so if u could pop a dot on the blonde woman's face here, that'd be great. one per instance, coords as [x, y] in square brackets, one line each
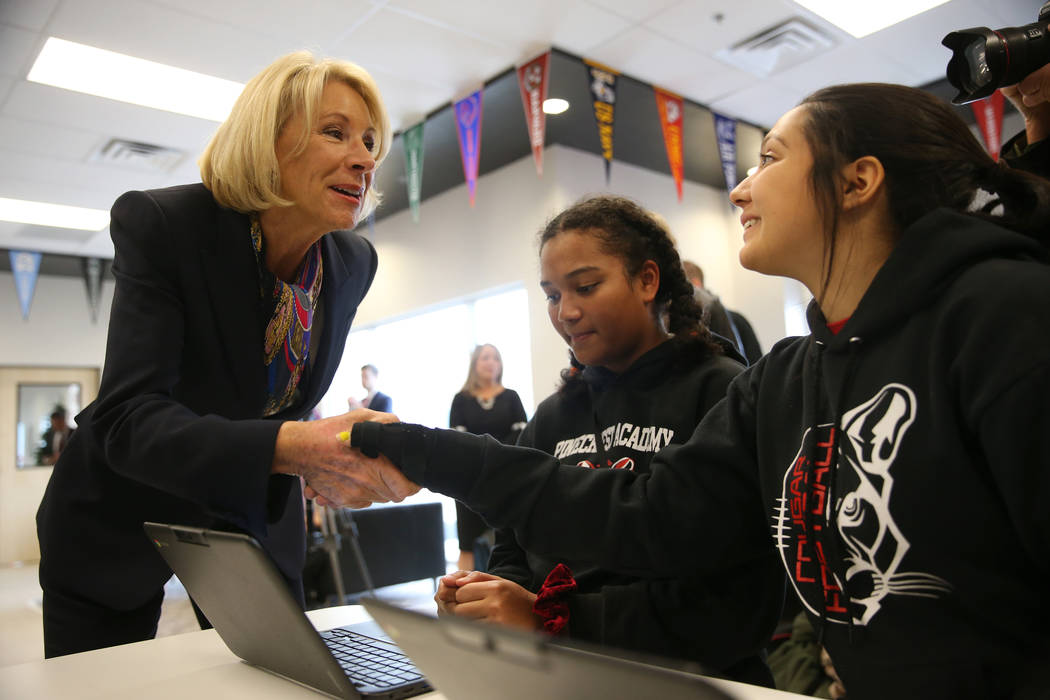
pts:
[329, 179]
[488, 366]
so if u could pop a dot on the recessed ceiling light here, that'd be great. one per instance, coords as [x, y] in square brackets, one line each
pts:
[81, 68]
[863, 18]
[55, 215]
[555, 105]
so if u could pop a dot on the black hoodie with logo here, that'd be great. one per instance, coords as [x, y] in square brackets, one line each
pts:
[605, 420]
[900, 470]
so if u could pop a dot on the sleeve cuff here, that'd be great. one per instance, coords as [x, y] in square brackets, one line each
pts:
[403, 444]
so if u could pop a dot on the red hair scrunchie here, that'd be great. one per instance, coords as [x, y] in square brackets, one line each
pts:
[551, 606]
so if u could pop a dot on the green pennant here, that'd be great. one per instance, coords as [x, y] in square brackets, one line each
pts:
[413, 142]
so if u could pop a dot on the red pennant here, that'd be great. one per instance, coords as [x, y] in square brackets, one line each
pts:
[989, 113]
[671, 108]
[532, 79]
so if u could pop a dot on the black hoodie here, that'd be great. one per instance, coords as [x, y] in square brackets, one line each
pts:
[921, 431]
[605, 420]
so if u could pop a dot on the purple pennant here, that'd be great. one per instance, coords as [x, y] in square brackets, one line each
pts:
[468, 127]
[725, 132]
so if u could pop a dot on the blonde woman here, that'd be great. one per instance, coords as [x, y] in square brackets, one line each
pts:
[483, 406]
[233, 300]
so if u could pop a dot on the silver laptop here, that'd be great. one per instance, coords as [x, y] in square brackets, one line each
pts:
[244, 596]
[465, 660]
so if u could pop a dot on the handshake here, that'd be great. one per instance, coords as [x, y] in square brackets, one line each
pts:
[335, 473]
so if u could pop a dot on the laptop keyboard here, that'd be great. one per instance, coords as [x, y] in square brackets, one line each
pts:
[368, 662]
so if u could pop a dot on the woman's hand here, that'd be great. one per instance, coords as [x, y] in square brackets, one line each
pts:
[335, 473]
[480, 596]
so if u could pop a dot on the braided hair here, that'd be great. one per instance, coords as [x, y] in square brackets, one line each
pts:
[626, 230]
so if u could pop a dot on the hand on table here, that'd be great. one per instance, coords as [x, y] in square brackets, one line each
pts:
[335, 473]
[480, 596]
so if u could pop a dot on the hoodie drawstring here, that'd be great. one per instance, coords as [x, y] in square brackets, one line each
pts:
[832, 558]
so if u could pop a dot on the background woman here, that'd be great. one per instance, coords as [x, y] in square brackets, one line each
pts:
[483, 406]
[896, 459]
[637, 383]
[232, 305]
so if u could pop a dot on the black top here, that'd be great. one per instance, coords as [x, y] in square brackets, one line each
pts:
[176, 433]
[503, 418]
[381, 402]
[620, 421]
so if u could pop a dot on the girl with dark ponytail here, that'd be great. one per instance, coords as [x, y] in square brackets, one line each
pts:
[644, 372]
[896, 460]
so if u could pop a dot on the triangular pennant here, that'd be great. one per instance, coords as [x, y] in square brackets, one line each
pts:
[25, 266]
[412, 140]
[725, 132]
[672, 108]
[603, 92]
[92, 269]
[468, 127]
[532, 80]
[989, 114]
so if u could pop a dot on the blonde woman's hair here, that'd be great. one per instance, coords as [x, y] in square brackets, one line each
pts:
[473, 383]
[240, 166]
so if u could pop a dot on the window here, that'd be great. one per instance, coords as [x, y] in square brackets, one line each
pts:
[423, 361]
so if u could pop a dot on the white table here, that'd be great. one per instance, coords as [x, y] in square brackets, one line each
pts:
[197, 665]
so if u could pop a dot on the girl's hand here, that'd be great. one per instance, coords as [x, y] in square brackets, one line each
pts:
[481, 596]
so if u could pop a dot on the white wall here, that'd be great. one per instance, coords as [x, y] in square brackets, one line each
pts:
[59, 332]
[456, 251]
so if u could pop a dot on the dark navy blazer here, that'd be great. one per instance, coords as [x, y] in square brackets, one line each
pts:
[175, 434]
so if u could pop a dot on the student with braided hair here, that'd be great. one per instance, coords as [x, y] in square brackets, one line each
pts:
[644, 371]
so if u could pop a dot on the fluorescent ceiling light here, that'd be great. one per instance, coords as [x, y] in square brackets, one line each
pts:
[81, 68]
[55, 215]
[863, 18]
[555, 105]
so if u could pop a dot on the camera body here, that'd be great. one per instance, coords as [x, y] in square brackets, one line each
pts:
[983, 59]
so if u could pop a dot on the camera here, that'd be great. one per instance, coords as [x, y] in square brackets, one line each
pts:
[983, 59]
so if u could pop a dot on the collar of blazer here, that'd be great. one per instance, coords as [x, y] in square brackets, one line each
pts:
[233, 283]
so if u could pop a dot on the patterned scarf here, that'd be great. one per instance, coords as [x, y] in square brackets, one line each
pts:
[286, 340]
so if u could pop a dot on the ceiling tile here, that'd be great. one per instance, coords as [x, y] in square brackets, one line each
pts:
[917, 41]
[28, 14]
[313, 25]
[168, 36]
[571, 25]
[408, 100]
[32, 137]
[18, 49]
[845, 64]
[6, 85]
[648, 56]
[59, 108]
[762, 103]
[440, 54]
[694, 23]
[634, 10]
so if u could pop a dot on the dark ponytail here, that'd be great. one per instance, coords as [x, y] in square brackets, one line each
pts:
[634, 235]
[1025, 200]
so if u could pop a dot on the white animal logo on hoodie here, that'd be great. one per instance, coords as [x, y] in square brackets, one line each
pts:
[871, 545]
